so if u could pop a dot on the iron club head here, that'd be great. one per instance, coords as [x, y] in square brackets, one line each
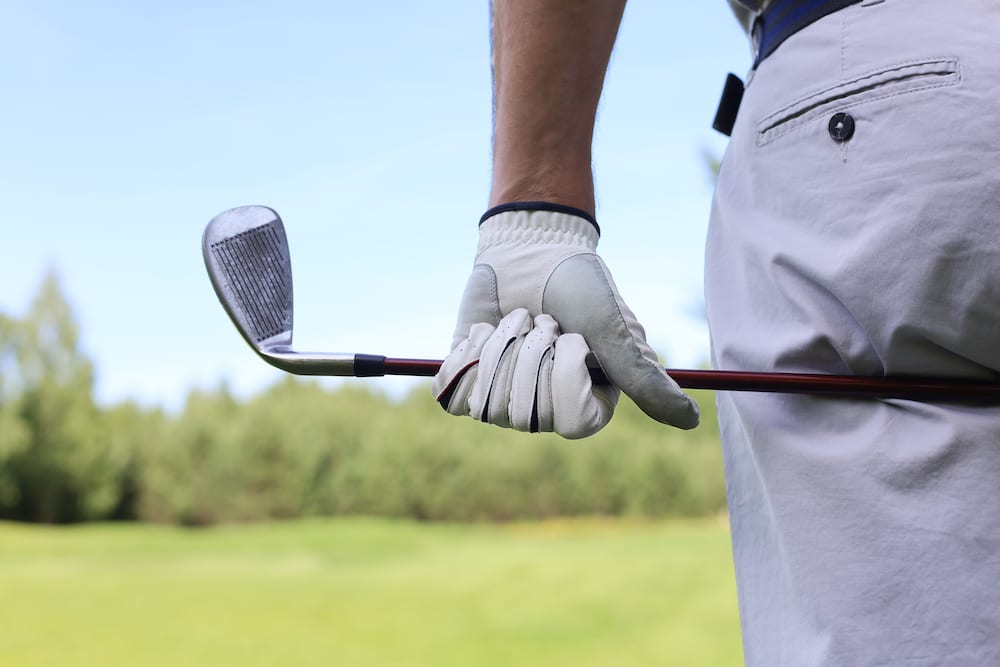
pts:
[246, 254]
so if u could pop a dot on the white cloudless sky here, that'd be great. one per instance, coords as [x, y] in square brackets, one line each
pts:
[126, 126]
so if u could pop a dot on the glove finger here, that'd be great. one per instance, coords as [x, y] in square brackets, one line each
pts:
[543, 394]
[452, 385]
[616, 337]
[491, 394]
[577, 409]
[497, 408]
[525, 384]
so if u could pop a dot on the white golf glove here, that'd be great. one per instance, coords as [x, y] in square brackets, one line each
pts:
[537, 272]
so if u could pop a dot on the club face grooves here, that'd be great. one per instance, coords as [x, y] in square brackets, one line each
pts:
[259, 280]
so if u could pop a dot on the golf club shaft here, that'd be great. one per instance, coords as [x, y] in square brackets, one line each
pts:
[798, 383]
[246, 254]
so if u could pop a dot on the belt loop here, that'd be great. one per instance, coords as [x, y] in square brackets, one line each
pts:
[756, 37]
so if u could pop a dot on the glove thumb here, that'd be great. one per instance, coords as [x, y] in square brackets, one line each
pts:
[582, 297]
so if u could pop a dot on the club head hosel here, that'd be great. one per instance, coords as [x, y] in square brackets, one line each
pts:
[324, 363]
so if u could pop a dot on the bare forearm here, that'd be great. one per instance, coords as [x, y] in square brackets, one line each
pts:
[549, 62]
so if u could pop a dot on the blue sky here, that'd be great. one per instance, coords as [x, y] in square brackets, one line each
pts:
[127, 126]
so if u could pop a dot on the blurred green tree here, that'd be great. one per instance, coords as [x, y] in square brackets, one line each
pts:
[58, 461]
[300, 449]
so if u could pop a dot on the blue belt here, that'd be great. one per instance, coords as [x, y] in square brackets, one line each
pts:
[784, 18]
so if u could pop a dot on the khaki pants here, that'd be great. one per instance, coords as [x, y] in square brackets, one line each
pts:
[865, 532]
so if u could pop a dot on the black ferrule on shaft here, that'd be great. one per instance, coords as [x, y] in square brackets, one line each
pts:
[369, 365]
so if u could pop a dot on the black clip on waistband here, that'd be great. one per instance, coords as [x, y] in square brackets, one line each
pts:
[729, 105]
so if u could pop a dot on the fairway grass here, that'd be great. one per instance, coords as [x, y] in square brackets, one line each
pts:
[368, 592]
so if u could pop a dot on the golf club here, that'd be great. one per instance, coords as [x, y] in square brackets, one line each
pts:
[246, 254]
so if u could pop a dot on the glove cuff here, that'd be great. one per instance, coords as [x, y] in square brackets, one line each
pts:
[519, 227]
[540, 206]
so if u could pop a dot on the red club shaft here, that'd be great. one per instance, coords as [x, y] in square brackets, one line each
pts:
[799, 383]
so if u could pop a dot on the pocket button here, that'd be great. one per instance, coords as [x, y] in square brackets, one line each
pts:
[841, 127]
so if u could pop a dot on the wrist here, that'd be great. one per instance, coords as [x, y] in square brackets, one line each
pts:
[570, 182]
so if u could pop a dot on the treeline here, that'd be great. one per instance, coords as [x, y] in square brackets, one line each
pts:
[300, 449]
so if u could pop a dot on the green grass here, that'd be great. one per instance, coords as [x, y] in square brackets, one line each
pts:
[369, 592]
